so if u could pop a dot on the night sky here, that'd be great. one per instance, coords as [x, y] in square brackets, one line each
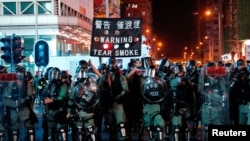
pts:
[172, 24]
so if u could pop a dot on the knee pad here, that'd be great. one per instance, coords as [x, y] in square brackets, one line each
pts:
[176, 129]
[90, 130]
[15, 135]
[80, 130]
[2, 135]
[63, 133]
[31, 134]
[122, 129]
[150, 132]
[80, 133]
[91, 133]
[159, 133]
[52, 133]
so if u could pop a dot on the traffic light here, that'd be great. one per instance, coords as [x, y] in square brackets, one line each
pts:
[6, 48]
[12, 48]
[17, 49]
[41, 48]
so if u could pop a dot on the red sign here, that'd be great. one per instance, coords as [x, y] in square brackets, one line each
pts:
[8, 77]
[216, 71]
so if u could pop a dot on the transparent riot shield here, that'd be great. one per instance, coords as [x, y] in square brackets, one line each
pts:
[213, 88]
[4, 80]
[13, 90]
[153, 89]
[86, 93]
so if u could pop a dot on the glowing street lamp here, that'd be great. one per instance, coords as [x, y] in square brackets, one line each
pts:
[208, 13]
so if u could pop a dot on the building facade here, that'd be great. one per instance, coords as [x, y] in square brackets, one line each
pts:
[228, 29]
[64, 24]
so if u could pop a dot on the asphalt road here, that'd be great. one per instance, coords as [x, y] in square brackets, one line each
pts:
[39, 130]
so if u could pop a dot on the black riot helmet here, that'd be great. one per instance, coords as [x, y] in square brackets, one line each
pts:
[164, 65]
[210, 64]
[220, 64]
[102, 67]
[178, 67]
[29, 75]
[64, 75]
[238, 63]
[21, 72]
[148, 67]
[83, 64]
[163, 61]
[54, 74]
[191, 66]
[132, 63]
[150, 72]
[112, 64]
[81, 73]
[229, 67]
[146, 62]
[208, 71]
[46, 73]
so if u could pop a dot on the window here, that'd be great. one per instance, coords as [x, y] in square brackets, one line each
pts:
[44, 7]
[27, 8]
[9, 8]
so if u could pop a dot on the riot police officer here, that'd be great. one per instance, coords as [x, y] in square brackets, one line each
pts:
[183, 100]
[43, 85]
[165, 72]
[56, 99]
[3, 84]
[212, 87]
[18, 104]
[41, 82]
[134, 99]
[117, 85]
[101, 107]
[193, 75]
[239, 94]
[83, 98]
[153, 91]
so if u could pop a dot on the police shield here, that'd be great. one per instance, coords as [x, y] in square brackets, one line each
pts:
[86, 94]
[214, 89]
[153, 89]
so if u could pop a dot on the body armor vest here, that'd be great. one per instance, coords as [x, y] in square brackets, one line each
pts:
[153, 89]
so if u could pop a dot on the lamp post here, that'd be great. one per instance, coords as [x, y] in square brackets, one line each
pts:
[218, 14]
[220, 32]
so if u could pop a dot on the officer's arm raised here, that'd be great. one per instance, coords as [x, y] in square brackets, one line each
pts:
[94, 68]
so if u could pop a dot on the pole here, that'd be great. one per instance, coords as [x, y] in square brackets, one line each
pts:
[220, 36]
[107, 16]
[12, 65]
[107, 8]
[36, 24]
[220, 28]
